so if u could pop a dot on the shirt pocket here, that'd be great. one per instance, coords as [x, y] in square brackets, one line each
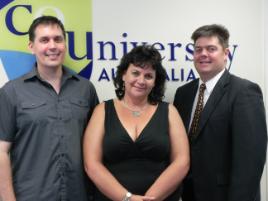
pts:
[80, 109]
[32, 111]
[32, 104]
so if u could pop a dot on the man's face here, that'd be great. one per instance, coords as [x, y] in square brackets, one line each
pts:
[210, 57]
[48, 46]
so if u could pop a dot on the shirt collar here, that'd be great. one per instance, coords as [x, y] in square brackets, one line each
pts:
[210, 84]
[67, 74]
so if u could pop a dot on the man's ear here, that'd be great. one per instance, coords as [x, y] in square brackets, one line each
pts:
[30, 46]
[226, 52]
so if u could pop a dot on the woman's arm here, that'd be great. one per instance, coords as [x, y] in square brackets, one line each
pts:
[170, 179]
[92, 149]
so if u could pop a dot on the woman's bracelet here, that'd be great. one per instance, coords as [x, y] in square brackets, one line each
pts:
[127, 196]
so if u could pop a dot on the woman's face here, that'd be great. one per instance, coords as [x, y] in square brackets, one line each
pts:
[139, 81]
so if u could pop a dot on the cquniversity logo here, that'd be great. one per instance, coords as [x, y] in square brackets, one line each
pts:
[16, 17]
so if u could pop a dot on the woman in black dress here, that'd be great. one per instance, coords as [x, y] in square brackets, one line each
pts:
[135, 146]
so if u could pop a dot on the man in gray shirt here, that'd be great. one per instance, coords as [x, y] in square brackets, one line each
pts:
[43, 115]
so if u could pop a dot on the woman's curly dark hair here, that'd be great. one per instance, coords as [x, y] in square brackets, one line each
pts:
[142, 56]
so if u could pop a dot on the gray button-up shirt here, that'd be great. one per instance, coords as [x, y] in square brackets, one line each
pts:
[46, 130]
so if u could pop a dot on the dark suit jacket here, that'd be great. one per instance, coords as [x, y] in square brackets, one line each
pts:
[228, 156]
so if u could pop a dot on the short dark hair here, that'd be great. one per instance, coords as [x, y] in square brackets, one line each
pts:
[46, 20]
[213, 30]
[142, 56]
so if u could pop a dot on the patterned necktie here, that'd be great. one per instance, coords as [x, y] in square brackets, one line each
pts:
[197, 113]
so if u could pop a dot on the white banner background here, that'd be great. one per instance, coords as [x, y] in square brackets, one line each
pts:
[174, 21]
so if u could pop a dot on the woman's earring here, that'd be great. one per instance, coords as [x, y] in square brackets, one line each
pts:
[123, 86]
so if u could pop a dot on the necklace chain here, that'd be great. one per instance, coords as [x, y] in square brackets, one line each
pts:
[135, 113]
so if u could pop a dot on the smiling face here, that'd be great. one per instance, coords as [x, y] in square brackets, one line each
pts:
[139, 81]
[48, 46]
[210, 57]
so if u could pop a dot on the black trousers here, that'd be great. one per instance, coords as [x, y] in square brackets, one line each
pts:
[188, 190]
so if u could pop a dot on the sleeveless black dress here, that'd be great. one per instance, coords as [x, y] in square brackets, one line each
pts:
[136, 164]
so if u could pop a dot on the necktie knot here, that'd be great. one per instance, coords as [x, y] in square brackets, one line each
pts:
[202, 88]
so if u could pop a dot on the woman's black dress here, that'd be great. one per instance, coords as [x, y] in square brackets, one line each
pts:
[136, 164]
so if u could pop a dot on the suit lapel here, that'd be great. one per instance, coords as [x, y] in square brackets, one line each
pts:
[216, 95]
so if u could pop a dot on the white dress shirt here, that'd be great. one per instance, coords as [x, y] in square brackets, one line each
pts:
[210, 84]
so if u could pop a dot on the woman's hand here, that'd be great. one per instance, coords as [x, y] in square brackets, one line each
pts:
[141, 198]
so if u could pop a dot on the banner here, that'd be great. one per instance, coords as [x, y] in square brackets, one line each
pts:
[16, 17]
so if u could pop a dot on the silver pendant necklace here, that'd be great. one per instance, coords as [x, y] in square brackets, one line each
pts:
[134, 113]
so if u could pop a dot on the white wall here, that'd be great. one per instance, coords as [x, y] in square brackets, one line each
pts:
[174, 21]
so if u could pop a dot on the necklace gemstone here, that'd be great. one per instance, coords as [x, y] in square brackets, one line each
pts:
[136, 113]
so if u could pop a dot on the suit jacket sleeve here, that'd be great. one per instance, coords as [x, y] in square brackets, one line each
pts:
[249, 142]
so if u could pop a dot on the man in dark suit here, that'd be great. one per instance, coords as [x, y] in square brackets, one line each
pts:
[228, 147]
